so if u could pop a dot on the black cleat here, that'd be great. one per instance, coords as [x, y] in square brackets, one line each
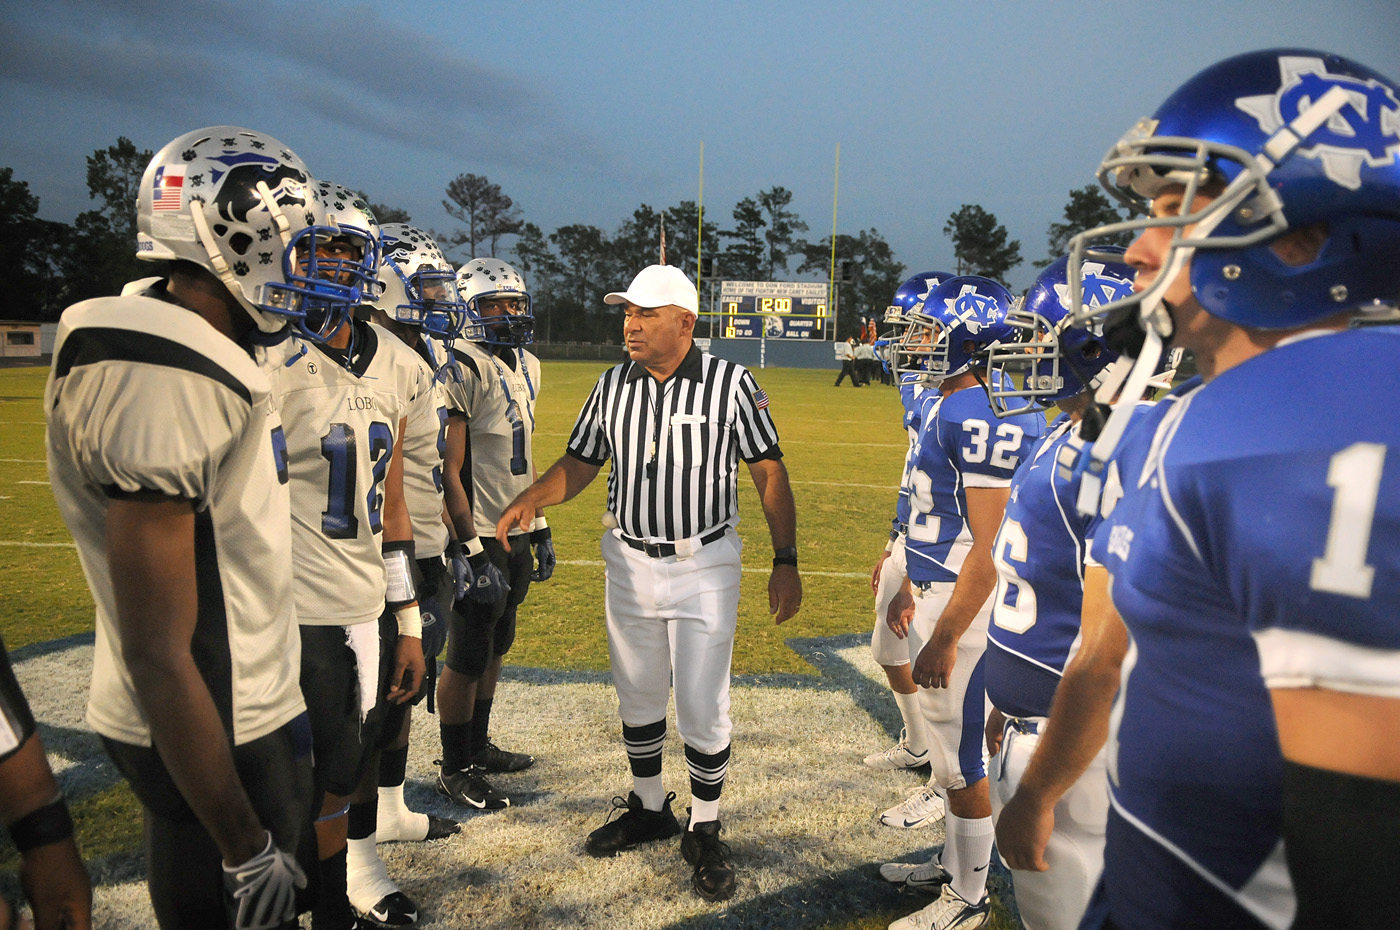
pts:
[636, 826]
[470, 787]
[392, 910]
[493, 758]
[702, 848]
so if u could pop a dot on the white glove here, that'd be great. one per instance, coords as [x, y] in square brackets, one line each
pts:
[263, 889]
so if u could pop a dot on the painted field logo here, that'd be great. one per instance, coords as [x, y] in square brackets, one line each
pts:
[1365, 131]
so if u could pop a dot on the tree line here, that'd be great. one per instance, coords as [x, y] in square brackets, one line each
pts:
[51, 265]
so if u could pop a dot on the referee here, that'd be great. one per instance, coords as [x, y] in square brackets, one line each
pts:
[675, 423]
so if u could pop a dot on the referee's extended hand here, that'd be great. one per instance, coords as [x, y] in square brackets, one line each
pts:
[784, 592]
[516, 516]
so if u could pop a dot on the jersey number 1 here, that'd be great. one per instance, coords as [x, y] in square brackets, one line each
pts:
[1355, 475]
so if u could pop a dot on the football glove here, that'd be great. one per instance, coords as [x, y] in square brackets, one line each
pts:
[487, 585]
[544, 555]
[434, 626]
[460, 568]
[262, 891]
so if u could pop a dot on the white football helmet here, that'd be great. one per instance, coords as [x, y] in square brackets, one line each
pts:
[241, 205]
[351, 214]
[418, 285]
[483, 279]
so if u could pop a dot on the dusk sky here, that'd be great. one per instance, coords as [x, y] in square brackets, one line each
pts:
[582, 111]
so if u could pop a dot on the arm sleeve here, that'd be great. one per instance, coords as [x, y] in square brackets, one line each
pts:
[461, 394]
[589, 440]
[126, 447]
[758, 436]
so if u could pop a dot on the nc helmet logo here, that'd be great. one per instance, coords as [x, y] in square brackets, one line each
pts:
[971, 307]
[1099, 289]
[1365, 131]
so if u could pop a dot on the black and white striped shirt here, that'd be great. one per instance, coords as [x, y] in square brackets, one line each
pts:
[675, 446]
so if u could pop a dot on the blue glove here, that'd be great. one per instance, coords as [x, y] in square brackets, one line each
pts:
[487, 586]
[434, 626]
[460, 568]
[544, 555]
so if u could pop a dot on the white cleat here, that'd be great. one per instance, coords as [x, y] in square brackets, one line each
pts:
[923, 808]
[928, 876]
[948, 912]
[897, 756]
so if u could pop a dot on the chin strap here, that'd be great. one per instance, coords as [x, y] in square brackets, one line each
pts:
[1106, 443]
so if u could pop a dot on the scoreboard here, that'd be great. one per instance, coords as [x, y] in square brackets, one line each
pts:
[771, 310]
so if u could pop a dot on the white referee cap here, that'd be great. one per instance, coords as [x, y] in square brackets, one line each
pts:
[659, 286]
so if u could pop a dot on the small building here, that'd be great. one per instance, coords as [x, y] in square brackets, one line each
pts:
[19, 339]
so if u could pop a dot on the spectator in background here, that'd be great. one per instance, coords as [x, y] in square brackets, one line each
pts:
[845, 355]
[866, 364]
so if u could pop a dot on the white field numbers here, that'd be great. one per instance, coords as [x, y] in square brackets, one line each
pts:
[1355, 475]
[1011, 546]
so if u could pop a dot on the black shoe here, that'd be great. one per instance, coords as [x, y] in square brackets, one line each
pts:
[393, 910]
[714, 875]
[441, 827]
[493, 758]
[636, 826]
[470, 787]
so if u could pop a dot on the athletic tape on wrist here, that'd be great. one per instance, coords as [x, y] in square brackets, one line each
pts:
[473, 546]
[399, 587]
[539, 523]
[49, 824]
[410, 621]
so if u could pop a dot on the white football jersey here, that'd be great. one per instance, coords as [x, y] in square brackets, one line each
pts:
[341, 423]
[424, 441]
[497, 398]
[144, 395]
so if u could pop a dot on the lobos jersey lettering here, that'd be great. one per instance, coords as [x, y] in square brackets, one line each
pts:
[341, 423]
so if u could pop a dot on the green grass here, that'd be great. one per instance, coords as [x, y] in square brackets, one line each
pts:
[843, 449]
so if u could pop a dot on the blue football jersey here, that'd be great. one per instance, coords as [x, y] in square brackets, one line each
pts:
[961, 444]
[913, 396]
[1263, 526]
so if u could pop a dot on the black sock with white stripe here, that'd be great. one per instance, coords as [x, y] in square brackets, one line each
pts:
[707, 771]
[644, 756]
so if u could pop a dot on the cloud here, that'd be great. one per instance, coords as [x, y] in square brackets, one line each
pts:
[350, 67]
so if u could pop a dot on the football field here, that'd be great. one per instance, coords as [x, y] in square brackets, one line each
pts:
[799, 809]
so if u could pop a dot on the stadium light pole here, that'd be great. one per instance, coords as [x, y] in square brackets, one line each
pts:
[831, 271]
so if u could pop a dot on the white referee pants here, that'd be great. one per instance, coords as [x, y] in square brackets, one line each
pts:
[671, 619]
[1055, 899]
[889, 650]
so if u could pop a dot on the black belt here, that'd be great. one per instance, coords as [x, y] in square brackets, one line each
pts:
[664, 550]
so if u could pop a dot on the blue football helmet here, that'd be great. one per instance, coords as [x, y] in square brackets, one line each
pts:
[958, 321]
[912, 293]
[419, 284]
[1051, 362]
[1297, 139]
[498, 302]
